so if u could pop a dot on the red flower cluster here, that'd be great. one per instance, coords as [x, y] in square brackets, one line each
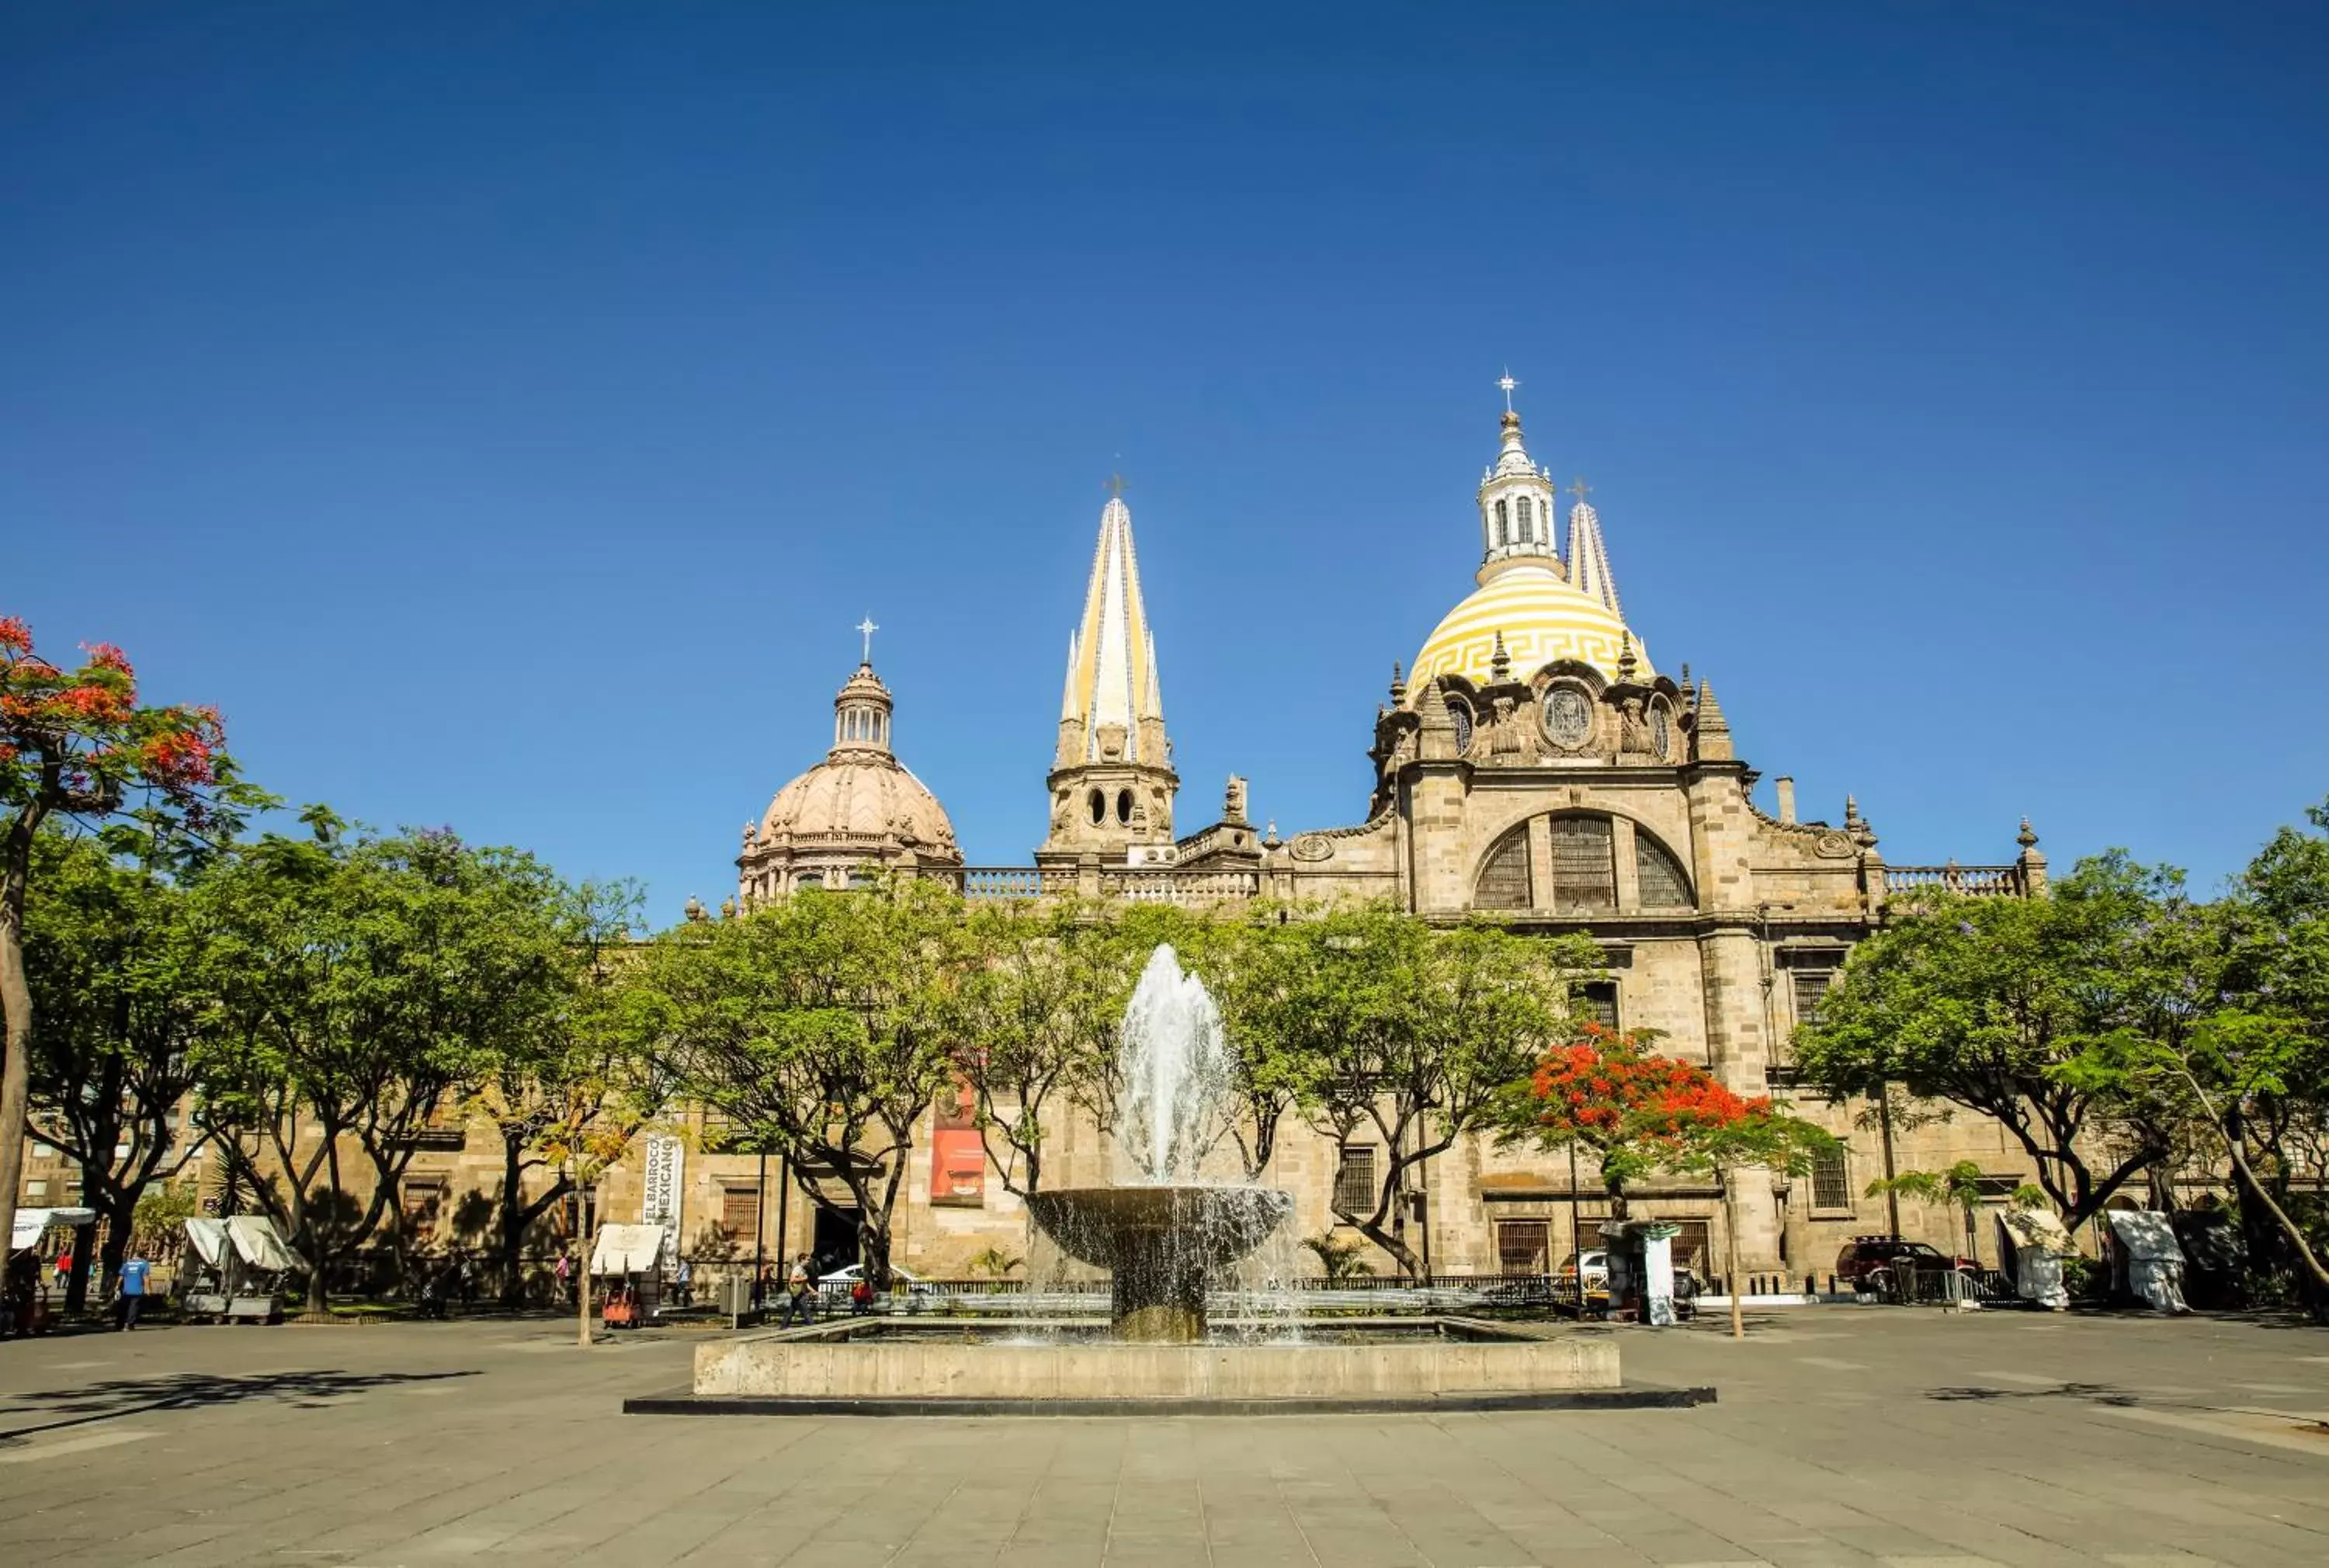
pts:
[1606, 1082]
[15, 637]
[179, 760]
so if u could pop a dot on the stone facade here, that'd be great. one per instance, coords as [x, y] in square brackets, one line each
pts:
[1533, 763]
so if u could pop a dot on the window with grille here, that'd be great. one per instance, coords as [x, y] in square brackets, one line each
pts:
[1528, 520]
[739, 1210]
[1584, 867]
[1693, 1246]
[1601, 1000]
[1521, 1246]
[1659, 875]
[1354, 1183]
[1504, 524]
[1831, 1179]
[1504, 881]
[1811, 990]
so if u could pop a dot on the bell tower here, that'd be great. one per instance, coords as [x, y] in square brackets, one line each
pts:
[1112, 781]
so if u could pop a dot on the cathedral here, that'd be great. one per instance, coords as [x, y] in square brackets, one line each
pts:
[1530, 760]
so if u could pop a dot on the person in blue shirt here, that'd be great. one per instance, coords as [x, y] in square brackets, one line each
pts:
[134, 1274]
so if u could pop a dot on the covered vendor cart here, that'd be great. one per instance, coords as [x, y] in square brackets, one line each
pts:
[627, 1261]
[236, 1269]
[2148, 1260]
[2036, 1244]
[25, 1305]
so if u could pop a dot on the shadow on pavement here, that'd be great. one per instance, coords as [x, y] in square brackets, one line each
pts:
[93, 1402]
[2101, 1393]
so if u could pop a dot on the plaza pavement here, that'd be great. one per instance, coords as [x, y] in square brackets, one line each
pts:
[1843, 1435]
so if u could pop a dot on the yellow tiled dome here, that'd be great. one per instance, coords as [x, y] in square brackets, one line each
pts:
[1542, 617]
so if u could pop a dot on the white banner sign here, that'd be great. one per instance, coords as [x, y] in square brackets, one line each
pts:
[666, 1161]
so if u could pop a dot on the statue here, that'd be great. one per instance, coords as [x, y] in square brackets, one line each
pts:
[1233, 801]
[1632, 729]
[1510, 739]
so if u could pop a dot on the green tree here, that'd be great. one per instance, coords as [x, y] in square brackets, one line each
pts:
[1960, 1187]
[2030, 1011]
[1032, 1025]
[125, 981]
[369, 980]
[2253, 1063]
[819, 1025]
[77, 749]
[1387, 1033]
[567, 1079]
[1642, 1112]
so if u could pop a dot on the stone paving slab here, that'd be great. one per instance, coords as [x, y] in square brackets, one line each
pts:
[1842, 1436]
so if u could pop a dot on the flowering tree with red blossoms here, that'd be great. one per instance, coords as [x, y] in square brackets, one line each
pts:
[1642, 1112]
[76, 748]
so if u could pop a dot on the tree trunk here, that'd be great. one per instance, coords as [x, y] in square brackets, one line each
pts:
[513, 1224]
[84, 1259]
[1731, 1265]
[16, 1009]
[2289, 1229]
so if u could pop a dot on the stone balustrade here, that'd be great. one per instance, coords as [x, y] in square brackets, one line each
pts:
[1974, 880]
[1183, 888]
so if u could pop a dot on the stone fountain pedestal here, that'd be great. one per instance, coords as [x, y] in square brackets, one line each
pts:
[1161, 1244]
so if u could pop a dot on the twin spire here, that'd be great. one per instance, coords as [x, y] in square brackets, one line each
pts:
[1517, 502]
[1113, 707]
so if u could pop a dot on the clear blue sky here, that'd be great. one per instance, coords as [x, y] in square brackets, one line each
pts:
[504, 412]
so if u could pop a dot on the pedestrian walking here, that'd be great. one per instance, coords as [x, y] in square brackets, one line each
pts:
[134, 1275]
[565, 1271]
[800, 1293]
[683, 1284]
[468, 1281]
[64, 1268]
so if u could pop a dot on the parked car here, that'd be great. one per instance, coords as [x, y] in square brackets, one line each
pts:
[839, 1283]
[1867, 1262]
[1596, 1270]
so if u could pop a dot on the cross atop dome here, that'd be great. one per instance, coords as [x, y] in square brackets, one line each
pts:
[1506, 383]
[866, 628]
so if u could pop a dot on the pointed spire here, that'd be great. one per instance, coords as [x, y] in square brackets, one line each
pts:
[1398, 686]
[1710, 728]
[1628, 665]
[1113, 707]
[1500, 662]
[1589, 554]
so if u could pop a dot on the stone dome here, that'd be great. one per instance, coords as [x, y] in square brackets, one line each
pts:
[859, 808]
[859, 797]
[1541, 616]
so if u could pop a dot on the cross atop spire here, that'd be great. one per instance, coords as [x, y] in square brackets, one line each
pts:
[865, 629]
[1116, 484]
[1506, 383]
[1579, 489]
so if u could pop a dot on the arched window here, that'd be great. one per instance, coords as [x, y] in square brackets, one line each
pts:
[1459, 714]
[1098, 807]
[1124, 805]
[1659, 875]
[1504, 881]
[1584, 865]
[1528, 520]
[1504, 524]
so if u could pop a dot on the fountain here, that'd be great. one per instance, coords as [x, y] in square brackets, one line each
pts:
[1177, 1220]
[1162, 1232]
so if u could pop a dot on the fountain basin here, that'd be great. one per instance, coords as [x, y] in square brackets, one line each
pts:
[1160, 1244]
[878, 1365]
